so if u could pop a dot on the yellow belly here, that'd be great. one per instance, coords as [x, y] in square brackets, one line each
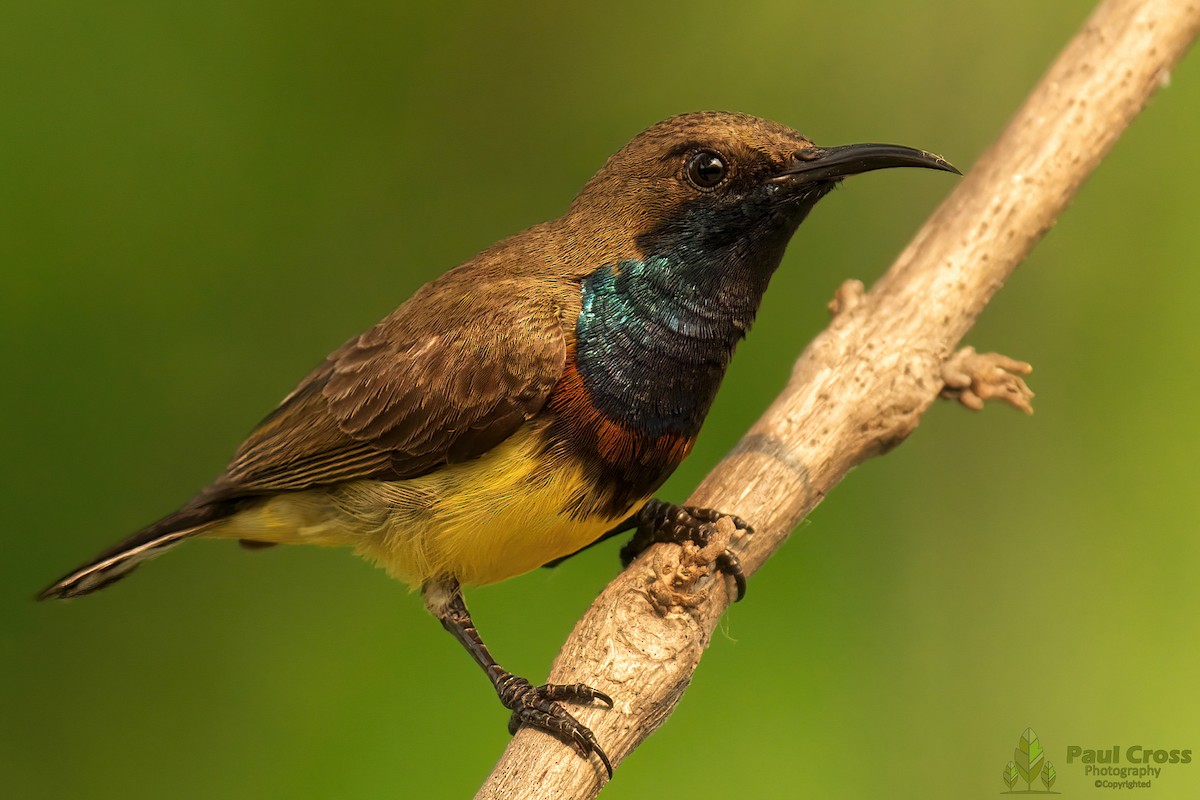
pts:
[480, 521]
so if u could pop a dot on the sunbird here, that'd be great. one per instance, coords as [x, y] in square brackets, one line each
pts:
[529, 402]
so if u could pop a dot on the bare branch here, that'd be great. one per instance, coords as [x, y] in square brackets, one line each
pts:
[859, 389]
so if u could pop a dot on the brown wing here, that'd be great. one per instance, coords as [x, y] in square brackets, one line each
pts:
[451, 373]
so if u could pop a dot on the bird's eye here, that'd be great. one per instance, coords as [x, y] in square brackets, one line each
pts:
[706, 169]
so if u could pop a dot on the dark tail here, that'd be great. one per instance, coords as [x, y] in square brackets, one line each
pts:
[117, 562]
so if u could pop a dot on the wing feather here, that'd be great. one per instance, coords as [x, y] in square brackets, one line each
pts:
[447, 376]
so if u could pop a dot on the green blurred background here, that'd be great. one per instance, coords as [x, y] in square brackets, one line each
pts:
[201, 200]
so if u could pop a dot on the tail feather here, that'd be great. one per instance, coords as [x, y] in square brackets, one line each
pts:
[120, 560]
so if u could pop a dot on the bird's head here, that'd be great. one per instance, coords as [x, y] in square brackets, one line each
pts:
[723, 183]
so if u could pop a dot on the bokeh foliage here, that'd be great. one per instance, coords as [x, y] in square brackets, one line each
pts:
[198, 201]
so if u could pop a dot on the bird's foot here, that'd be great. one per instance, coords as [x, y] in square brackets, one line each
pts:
[659, 521]
[538, 707]
[971, 378]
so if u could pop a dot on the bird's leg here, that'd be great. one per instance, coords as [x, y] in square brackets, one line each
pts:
[660, 521]
[535, 706]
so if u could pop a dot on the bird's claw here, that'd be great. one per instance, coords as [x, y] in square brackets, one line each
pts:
[666, 522]
[731, 565]
[538, 707]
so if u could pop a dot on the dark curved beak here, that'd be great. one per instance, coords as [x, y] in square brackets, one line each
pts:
[832, 163]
